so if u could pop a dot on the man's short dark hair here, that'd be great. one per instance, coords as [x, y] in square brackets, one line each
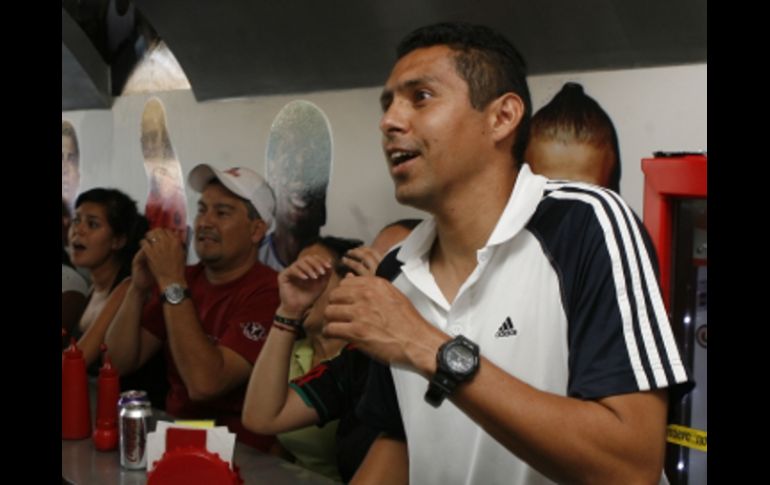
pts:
[486, 60]
[573, 116]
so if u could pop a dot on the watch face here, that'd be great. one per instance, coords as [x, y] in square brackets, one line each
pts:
[174, 293]
[460, 359]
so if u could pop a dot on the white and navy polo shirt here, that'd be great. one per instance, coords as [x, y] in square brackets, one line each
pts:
[564, 297]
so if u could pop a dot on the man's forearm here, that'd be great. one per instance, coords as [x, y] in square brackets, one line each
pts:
[200, 362]
[620, 439]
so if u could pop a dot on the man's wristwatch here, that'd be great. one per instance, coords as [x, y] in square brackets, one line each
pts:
[174, 294]
[457, 361]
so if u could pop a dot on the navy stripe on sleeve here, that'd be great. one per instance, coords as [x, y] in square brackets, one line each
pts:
[619, 336]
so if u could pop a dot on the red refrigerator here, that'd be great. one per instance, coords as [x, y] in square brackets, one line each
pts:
[675, 208]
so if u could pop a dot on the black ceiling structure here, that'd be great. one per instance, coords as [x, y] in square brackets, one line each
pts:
[244, 48]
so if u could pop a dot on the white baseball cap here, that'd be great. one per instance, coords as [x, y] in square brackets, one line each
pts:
[241, 181]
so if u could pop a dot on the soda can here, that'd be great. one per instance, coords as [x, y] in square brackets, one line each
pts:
[128, 396]
[134, 415]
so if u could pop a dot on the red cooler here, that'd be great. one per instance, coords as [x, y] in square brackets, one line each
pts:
[675, 206]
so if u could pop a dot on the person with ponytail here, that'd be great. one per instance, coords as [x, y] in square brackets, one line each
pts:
[573, 138]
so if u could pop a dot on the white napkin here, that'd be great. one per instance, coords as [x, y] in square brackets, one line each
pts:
[218, 440]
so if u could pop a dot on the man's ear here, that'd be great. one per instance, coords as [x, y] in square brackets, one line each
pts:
[506, 112]
[258, 230]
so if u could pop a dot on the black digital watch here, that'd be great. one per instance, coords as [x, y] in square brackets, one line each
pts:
[457, 361]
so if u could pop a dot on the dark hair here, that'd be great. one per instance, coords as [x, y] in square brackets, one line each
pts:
[65, 213]
[486, 60]
[338, 246]
[124, 220]
[409, 224]
[572, 115]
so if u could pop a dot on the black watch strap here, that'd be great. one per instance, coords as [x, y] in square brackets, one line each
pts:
[457, 360]
[441, 385]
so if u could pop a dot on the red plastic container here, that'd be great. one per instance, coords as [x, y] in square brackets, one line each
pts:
[192, 465]
[106, 433]
[75, 408]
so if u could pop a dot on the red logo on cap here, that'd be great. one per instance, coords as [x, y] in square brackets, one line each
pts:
[235, 172]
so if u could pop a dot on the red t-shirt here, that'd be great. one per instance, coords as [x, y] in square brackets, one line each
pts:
[236, 315]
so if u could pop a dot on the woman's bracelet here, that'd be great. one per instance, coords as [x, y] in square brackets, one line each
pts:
[295, 323]
[286, 328]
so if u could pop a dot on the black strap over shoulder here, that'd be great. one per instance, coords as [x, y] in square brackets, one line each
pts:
[390, 266]
[378, 405]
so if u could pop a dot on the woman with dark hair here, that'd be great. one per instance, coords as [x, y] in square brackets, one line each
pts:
[312, 447]
[103, 238]
[323, 430]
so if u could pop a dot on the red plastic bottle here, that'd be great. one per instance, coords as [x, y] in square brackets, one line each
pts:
[75, 408]
[106, 433]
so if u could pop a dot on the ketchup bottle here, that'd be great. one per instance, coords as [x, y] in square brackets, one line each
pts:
[75, 409]
[106, 433]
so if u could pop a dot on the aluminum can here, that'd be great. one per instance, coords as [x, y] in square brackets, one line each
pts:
[134, 415]
[128, 396]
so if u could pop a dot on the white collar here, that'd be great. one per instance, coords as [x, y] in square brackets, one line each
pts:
[521, 205]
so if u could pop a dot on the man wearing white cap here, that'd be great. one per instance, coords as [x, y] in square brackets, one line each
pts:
[213, 316]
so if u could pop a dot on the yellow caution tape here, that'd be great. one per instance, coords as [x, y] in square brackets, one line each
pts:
[684, 436]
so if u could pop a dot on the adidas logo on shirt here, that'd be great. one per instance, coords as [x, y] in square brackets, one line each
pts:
[506, 329]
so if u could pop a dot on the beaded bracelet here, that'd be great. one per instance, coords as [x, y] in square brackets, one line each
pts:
[292, 322]
[285, 328]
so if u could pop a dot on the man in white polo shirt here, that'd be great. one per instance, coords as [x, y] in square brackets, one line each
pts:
[524, 328]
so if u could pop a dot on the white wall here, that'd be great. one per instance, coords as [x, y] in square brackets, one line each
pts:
[657, 109]
[653, 109]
